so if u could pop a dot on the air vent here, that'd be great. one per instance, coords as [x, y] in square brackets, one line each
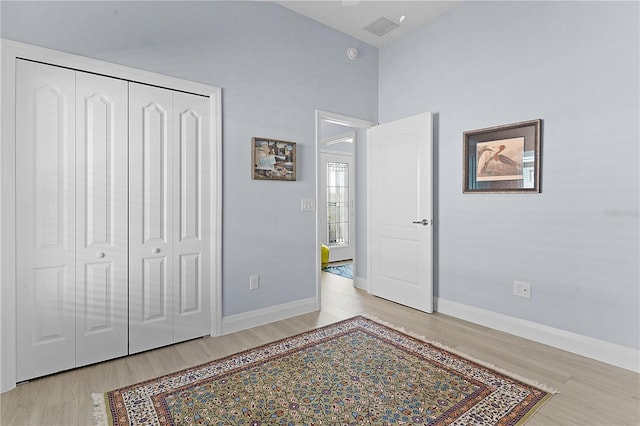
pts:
[381, 26]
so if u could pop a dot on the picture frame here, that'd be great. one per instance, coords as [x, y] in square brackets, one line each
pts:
[503, 159]
[273, 159]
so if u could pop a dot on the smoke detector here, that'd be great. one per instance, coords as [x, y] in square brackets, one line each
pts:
[352, 53]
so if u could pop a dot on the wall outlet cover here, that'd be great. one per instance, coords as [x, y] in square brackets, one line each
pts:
[254, 282]
[522, 289]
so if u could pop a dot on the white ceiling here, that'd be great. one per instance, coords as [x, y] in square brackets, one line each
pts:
[351, 16]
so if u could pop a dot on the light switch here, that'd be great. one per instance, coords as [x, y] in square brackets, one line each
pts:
[308, 204]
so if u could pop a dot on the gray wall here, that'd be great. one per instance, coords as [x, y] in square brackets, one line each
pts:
[275, 68]
[575, 65]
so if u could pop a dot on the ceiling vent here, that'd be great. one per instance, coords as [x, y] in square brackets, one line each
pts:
[381, 26]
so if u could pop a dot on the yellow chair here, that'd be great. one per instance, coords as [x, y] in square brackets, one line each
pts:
[324, 255]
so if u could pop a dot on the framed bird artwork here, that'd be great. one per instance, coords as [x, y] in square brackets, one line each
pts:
[503, 158]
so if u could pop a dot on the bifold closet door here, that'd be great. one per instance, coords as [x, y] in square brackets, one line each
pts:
[150, 218]
[169, 240]
[192, 231]
[45, 219]
[101, 218]
[71, 201]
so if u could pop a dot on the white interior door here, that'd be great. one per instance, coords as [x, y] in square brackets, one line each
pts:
[150, 218]
[101, 218]
[191, 229]
[400, 202]
[45, 219]
[337, 201]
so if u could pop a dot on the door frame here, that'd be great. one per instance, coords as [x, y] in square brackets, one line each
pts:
[342, 120]
[11, 51]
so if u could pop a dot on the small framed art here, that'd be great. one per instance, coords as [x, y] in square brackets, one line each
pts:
[273, 159]
[503, 158]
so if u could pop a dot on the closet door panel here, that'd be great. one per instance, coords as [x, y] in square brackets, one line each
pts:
[150, 218]
[45, 219]
[192, 134]
[102, 214]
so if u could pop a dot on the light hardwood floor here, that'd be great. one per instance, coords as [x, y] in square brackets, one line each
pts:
[591, 393]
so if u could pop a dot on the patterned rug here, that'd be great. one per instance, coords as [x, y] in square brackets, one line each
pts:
[342, 270]
[357, 371]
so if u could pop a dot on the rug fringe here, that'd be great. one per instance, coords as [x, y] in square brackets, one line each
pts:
[99, 410]
[508, 373]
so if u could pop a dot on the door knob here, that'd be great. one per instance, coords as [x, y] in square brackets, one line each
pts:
[155, 250]
[421, 222]
[100, 255]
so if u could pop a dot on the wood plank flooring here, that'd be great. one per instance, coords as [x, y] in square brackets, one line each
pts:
[591, 392]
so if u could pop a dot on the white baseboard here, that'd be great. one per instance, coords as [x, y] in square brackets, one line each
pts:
[258, 317]
[600, 350]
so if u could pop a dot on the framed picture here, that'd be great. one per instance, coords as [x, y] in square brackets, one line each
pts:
[502, 158]
[273, 159]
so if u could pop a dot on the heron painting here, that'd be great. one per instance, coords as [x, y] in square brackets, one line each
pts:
[500, 159]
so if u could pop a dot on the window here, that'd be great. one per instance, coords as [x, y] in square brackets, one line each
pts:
[338, 203]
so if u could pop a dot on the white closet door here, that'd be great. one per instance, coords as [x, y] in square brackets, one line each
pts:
[101, 218]
[150, 218]
[45, 219]
[192, 133]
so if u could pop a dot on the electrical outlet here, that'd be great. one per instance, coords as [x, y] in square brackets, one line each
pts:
[254, 282]
[522, 289]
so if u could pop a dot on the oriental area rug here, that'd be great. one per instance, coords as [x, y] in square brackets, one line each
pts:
[357, 371]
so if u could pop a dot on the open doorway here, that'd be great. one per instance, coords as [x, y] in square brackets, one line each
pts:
[340, 176]
[336, 202]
